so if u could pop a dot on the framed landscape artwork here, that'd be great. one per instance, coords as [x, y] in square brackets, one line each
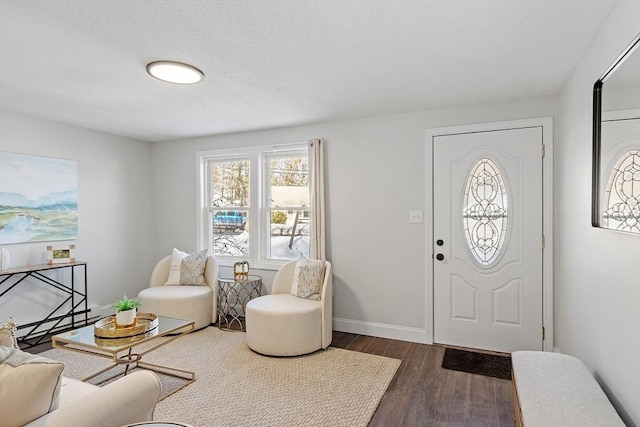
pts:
[38, 199]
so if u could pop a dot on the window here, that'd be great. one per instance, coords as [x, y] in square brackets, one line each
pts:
[255, 205]
[229, 188]
[287, 205]
[485, 209]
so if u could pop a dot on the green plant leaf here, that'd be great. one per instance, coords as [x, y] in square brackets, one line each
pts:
[126, 304]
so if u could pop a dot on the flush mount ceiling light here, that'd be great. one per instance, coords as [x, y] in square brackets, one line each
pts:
[174, 72]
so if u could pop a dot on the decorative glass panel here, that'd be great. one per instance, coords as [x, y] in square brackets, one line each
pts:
[622, 196]
[484, 211]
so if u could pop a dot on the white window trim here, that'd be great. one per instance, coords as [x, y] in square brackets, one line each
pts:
[258, 241]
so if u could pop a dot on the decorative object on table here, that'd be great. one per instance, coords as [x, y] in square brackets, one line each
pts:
[4, 259]
[61, 255]
[241, 270]
[126, 311]
[41, 196]
[107, 328]
[128, 340]
[8, 333]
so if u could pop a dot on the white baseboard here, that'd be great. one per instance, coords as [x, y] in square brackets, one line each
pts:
[381, 330]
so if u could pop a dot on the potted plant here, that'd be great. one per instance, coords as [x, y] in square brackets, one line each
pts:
[126, 311]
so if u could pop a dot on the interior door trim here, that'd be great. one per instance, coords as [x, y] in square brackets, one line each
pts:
[547, 219]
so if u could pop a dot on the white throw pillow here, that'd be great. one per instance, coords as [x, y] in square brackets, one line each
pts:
[187, 269]
[308, 278]
[174, 271]
[29, 386]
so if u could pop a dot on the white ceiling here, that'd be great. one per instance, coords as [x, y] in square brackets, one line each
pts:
[280, 63]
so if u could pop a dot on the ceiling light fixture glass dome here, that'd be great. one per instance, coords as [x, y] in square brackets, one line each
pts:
[174, 72]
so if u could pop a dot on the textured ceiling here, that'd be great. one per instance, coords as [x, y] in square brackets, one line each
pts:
[280, 63]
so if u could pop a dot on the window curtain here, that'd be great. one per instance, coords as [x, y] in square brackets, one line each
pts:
[316, 187]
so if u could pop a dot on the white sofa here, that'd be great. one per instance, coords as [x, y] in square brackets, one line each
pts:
[127, 400]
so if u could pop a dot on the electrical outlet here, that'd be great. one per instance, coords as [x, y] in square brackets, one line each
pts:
[415, 217]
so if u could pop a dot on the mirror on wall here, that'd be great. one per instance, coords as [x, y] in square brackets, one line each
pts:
[615, 195]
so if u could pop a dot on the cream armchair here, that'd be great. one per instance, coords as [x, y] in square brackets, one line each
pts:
[196, 303]
[281, 324]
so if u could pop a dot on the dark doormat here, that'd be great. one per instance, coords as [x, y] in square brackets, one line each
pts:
[490, 365]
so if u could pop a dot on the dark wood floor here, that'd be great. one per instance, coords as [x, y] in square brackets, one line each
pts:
[422, 393]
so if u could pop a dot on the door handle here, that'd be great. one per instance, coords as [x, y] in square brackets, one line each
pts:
[439, 257]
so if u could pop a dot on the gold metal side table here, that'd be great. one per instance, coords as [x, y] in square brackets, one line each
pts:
[233, 296]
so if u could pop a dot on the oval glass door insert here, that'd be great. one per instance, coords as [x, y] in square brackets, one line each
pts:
[485, 211]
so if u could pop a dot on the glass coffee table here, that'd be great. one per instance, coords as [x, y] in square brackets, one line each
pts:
[123, 351]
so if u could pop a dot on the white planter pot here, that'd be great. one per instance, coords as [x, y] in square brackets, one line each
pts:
[126, 318]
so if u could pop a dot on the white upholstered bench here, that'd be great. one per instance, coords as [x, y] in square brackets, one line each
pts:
[553, 389]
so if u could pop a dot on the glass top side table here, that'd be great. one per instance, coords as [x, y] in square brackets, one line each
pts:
[233, 296]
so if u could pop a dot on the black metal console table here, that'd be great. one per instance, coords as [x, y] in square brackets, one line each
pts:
[75, 304]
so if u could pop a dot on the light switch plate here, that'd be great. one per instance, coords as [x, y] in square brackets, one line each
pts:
[415, 217]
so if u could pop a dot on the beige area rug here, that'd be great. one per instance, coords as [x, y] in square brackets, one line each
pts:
[235, 386]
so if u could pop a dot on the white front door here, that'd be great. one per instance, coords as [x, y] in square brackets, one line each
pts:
[487, 239]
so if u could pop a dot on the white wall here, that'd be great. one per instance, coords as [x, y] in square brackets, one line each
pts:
[597, 272]
[375, 174]
[114, 212]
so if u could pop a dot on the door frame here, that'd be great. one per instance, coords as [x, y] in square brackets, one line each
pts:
[547, 216]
